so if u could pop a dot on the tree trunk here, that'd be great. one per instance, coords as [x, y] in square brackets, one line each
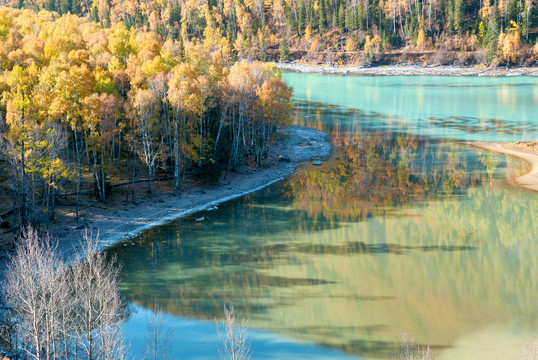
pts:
[133, 196]
[95, 170]
[23, 176]
[103, 182]
[79, 162]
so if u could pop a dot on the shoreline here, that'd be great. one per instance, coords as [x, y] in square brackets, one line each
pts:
[296, 143]
[528, 181]
[118, 222]
[409, 70]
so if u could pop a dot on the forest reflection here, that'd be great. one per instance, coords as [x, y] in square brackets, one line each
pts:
[392, 232]
[421, 121]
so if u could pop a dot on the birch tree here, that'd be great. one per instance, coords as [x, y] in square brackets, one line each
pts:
[36, 292]
[144, 110]
[97, 308]
[233, 335]
[61, 313]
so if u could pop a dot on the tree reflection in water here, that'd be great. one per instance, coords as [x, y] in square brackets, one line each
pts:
[392, 232]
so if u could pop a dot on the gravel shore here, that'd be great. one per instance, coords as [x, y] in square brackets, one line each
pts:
[294, 145]
[410, 70]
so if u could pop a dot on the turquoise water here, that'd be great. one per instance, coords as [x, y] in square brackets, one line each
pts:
[403, 228]
[459, 108]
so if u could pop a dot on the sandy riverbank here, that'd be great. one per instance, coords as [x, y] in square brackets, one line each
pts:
[117, 222]
[410, 70]
[527, 151]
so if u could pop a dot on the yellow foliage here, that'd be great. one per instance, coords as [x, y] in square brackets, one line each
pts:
[314, 45]
[308, 33]
[371, 45]
[350, 45]
[510, 42]
[421, 39]
[152, 67]
[486, 10]
[114, 64]
[77, 75]
[119, 42]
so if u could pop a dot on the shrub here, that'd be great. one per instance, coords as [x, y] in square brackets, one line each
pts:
[411, 351]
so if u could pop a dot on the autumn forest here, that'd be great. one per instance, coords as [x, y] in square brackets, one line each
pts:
[83, 104]
[126, 122]
[98, 90]
[331, 31]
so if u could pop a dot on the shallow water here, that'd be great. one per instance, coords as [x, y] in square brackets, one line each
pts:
[402, 228]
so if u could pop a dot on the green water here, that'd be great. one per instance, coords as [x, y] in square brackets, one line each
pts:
[403, 228]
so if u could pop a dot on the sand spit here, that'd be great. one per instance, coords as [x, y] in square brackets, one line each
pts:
[522, 150]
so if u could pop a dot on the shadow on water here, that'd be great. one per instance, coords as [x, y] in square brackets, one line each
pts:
[358, 247]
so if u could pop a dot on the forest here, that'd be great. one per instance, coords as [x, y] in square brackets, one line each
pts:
[84, 106]
[332, 31]
[97, 91]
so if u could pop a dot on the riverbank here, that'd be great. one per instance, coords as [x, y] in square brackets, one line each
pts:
[409, 70]
[527, 151]
[122, 220]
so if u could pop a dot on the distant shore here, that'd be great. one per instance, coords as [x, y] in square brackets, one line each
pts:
[527, 151]
[295, 145]
[410, 70]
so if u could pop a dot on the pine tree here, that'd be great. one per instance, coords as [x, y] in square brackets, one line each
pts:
[230, 34]
[450, 16]
[50, 5]
[301, 19]
[284, 52]
[359, 18]
[335, 18]
[94, 17]
[181, 50]
[64, 6]
[349, 19]
[322, 16]
[341, 17]
[75, 7]
[263, 54]
[458, 16]
[493, 32]
[513, 13]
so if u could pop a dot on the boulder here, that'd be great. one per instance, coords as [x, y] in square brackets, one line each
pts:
[283, 159]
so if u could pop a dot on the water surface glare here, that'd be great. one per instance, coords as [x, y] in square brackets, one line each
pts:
[402, 228]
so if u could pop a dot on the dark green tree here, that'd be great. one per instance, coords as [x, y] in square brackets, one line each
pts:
[492, 35]
[94, 17]
[301, 19]
[458, 16]
[263, 54]
[284, 52]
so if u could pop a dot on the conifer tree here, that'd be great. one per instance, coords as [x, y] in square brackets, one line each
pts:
[458, 16]
[284, 52]
[493, 32]
[301, 19]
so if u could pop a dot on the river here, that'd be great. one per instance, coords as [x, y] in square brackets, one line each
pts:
[403, 228]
